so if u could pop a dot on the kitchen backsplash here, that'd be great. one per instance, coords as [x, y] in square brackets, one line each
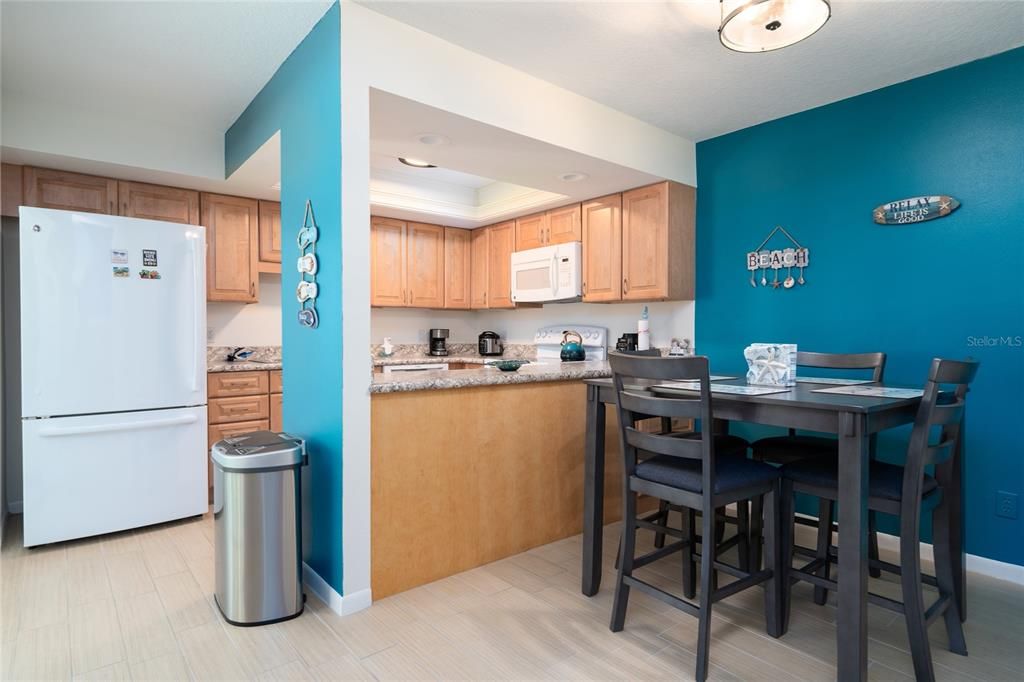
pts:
[523, 351]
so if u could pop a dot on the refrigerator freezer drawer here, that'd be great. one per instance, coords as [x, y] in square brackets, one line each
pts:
[104, 473]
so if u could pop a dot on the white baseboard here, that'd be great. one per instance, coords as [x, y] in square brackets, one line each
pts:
[341, 605]
[975, 564]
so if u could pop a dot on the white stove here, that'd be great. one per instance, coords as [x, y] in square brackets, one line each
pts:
[549, 342]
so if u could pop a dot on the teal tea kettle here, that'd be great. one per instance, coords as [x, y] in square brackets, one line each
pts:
[572, 347]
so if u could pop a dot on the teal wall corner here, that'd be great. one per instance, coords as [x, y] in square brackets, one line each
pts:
[951, 287]
[303, 101]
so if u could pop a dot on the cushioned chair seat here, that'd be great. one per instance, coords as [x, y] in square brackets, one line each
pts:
[731, 472]
[726, 444]
[784, 449]
[886, 479]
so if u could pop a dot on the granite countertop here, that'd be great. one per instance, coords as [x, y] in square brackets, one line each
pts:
[381, 361]
[263, 358]
[489, 376]
[225, 366]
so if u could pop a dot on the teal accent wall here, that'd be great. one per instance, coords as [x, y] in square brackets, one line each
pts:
[952, 287]
[303, 101]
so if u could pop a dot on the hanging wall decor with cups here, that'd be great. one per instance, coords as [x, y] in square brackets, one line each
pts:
[795, 257]
[307, 265]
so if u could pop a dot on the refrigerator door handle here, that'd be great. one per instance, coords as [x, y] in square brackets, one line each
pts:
[104, 428]
[195, 316]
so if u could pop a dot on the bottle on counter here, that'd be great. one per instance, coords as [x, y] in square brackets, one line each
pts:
[643, 332]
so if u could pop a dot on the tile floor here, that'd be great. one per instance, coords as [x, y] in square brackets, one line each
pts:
[139, 605]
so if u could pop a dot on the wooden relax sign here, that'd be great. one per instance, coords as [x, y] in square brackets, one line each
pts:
[915, 210]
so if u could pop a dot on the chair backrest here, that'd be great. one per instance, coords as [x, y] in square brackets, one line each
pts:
[942, 410]
[873, 361]
[634, 402]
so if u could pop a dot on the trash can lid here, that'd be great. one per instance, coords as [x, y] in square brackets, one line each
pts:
[259, 450]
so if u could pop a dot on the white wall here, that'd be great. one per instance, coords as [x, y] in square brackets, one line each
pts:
[424, 68]
[668, 320]
[247, 324]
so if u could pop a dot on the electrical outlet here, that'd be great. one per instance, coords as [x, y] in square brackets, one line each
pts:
[1006, 504]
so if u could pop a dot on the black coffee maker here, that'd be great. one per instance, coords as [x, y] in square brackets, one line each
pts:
[627, 342]
[438, 339]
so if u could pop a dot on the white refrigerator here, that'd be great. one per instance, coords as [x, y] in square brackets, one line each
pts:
[113, 373]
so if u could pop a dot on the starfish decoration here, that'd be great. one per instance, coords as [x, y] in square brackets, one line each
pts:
[775, 284]
[943, 206]
[879, 215]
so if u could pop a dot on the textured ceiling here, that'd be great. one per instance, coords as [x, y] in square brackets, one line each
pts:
[662, 63]
[190, 63]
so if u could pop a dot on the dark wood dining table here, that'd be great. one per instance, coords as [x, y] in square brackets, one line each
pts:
[853, 419]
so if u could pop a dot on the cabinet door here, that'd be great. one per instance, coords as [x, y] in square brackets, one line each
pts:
[564, 225]
[602, 249]
[479, 257]
[501, 239]
[457, 268]
[10, 187]
[425, 264]
[155, 202]
[232, 231]
[645, 243]
[276, 409]
[270, 236]
[531, 231]
[387, 262]
[69, 191]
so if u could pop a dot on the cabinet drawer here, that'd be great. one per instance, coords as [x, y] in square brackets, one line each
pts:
[239, 409]
[226, 384]
[221, 431]
[276, 382]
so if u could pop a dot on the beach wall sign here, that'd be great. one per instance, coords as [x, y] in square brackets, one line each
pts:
[915, 210]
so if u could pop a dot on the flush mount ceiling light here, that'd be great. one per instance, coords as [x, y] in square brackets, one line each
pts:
[432, 139]
[766, 25]
[415, 163]
[573, 177]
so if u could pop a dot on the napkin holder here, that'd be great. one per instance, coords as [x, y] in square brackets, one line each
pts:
[771, 364]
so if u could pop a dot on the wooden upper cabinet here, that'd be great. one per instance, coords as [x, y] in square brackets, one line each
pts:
[602, 249]
[501, 242]
[658, 242]
[11, 196]
[531, 231]
[232, 233]
[387, 262]
[479, 242]
[564, 225]
[425, 262]
[270, 236]
[155, 202]
[457, 268]
[69, 191]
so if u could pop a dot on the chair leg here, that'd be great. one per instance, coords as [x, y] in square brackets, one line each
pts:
[874, 572]
[743, 531]
[707, 588]
[826, 514]
[943, 547]
[773, 555]
[913, 599]
[787, 519]
[627, 550]
[659, 538]
[689, 565]
[719, 527]
[756, 530]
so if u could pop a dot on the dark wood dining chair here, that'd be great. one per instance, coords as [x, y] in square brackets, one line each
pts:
[792, 447]
[686, 471]
[902, 491]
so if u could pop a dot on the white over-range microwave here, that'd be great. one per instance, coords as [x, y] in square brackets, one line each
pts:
[550, 273]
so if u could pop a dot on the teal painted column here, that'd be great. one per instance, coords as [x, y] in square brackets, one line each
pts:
[303, 101]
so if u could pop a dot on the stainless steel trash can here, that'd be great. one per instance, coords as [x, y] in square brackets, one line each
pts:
[257, 527]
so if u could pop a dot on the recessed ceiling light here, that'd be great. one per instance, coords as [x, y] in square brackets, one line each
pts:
[766, 25]
[573, 177]
[415, 163]
[432, 139]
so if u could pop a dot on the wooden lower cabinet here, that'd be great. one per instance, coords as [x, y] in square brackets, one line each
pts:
[241, 402]
[454, 496]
